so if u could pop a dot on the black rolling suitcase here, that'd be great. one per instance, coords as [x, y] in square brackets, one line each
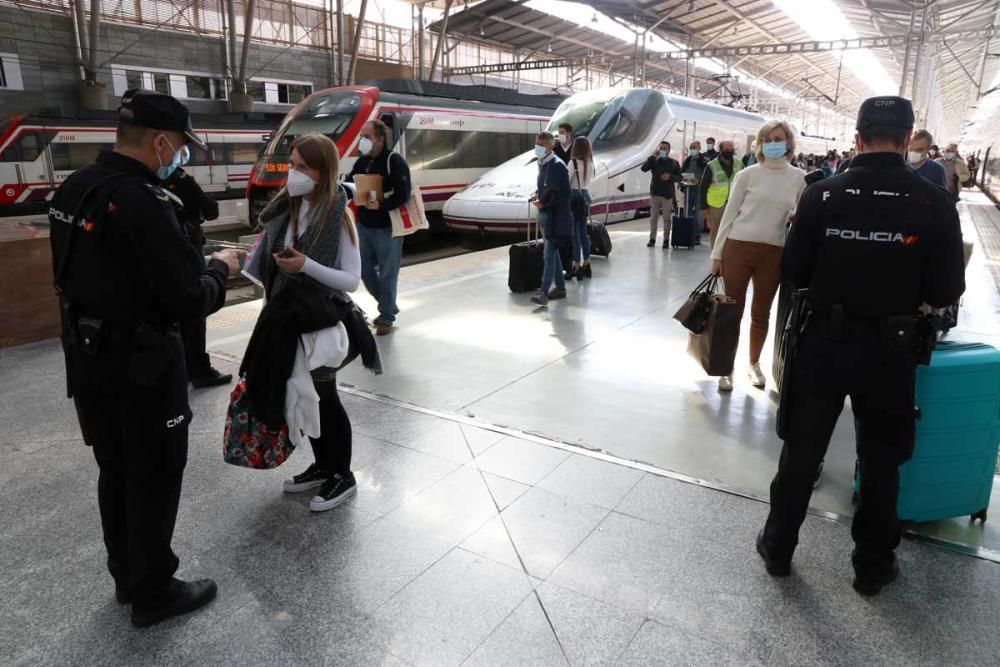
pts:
[600, 240]
[684, 232]
[527, 260]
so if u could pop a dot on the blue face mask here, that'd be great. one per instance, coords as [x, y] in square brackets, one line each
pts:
[663, 154]
[540, 152]
[775, 150]
[180, 158]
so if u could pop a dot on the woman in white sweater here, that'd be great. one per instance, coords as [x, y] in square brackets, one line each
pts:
[752, 234]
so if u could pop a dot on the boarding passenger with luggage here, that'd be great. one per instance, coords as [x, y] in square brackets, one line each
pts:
[126, 276]
[665, 176]
[552, 199]
[714, 189]
[581, 173]
[752, 233]
[870, 245]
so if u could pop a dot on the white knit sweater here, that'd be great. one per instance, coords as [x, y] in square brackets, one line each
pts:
[761, 199]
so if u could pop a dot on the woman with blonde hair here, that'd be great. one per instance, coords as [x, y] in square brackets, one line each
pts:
[310, 242]
[751, 235]
[581, 173]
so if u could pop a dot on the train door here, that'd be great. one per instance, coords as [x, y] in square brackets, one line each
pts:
[26, 167]
[215, 157]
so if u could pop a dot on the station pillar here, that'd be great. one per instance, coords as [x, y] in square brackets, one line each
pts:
[94, 95]
[240, 102]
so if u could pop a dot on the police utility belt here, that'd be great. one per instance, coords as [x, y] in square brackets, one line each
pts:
[900, 333]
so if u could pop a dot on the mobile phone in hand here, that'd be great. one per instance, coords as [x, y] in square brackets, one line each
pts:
[286, 253]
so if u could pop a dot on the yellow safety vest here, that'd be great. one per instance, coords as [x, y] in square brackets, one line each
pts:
[718, 191]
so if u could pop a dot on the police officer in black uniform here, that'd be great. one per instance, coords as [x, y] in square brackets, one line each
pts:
[871, 245]
[126, 276]
[197, 207]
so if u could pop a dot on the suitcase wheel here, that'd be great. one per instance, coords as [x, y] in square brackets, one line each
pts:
[980, 516]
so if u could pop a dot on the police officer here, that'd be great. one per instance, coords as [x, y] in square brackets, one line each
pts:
[871, 245]
[126, 276]
[197, 207]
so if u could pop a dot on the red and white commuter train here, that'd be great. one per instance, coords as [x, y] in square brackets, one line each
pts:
[38, 153]
[450, 135]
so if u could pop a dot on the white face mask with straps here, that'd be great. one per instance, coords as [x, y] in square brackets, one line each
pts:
[299, 184]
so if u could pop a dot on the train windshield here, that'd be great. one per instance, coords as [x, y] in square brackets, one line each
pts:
[583, 111]
[330, 114]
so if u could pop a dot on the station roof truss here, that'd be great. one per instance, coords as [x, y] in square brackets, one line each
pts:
[947, 41]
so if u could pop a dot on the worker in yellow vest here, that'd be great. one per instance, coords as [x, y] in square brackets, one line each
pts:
[715, 186]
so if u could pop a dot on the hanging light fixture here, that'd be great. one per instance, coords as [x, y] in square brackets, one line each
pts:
[549, 49]
[482, 31]
[593, 19]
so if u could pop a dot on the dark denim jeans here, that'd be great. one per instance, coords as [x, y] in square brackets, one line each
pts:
[581, 240]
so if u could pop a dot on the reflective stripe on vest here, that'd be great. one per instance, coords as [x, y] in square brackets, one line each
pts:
[718, 191]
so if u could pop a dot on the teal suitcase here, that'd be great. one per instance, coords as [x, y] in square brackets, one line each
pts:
[957, 435]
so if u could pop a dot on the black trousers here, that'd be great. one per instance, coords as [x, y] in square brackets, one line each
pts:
[196, 359]
[880, 384]
[139, 436]
[333, 448]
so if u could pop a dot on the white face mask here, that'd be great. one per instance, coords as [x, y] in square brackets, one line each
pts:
[948, 155]
[916, 157]
[299, 184]
[564, 139]
[711, 146]
[692, 152]
[365, 145]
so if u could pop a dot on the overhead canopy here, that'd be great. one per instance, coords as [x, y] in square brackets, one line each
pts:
[950, 68]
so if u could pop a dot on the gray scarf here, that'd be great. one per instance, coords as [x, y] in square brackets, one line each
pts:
[320, 241]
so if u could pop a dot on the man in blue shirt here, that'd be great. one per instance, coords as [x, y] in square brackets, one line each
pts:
[917, 155]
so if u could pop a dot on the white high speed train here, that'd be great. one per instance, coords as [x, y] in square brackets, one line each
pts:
[624, 127]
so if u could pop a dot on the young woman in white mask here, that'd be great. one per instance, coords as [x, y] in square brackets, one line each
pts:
[310, 236]
[751, 234]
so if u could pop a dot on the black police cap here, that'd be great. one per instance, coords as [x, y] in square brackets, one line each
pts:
[885, 111]
[156, 111]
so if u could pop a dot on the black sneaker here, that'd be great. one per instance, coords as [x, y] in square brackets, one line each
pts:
[651, 244]
[211, 378]
[558, 294]
[774, 567]
[666, 245]
[311, 479]
[872, 583]
[540, 299]
[188, 596]
[587, 272]
[336, 490]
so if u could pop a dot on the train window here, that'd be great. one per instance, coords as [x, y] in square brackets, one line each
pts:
[241, 153]
[291, 93]
[433, 149]
[133, 79]
[201, 158]
[199, 87]
[161, 83]
[255, 89]
[70, 157]
[27, 149]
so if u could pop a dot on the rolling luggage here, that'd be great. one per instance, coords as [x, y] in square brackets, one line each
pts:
[600, 240]
[527, 260]
[684, 232]
[957, 435]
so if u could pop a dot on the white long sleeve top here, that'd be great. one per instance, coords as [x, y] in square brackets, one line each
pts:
[346, 273]
[581, 177]
[761, 199]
